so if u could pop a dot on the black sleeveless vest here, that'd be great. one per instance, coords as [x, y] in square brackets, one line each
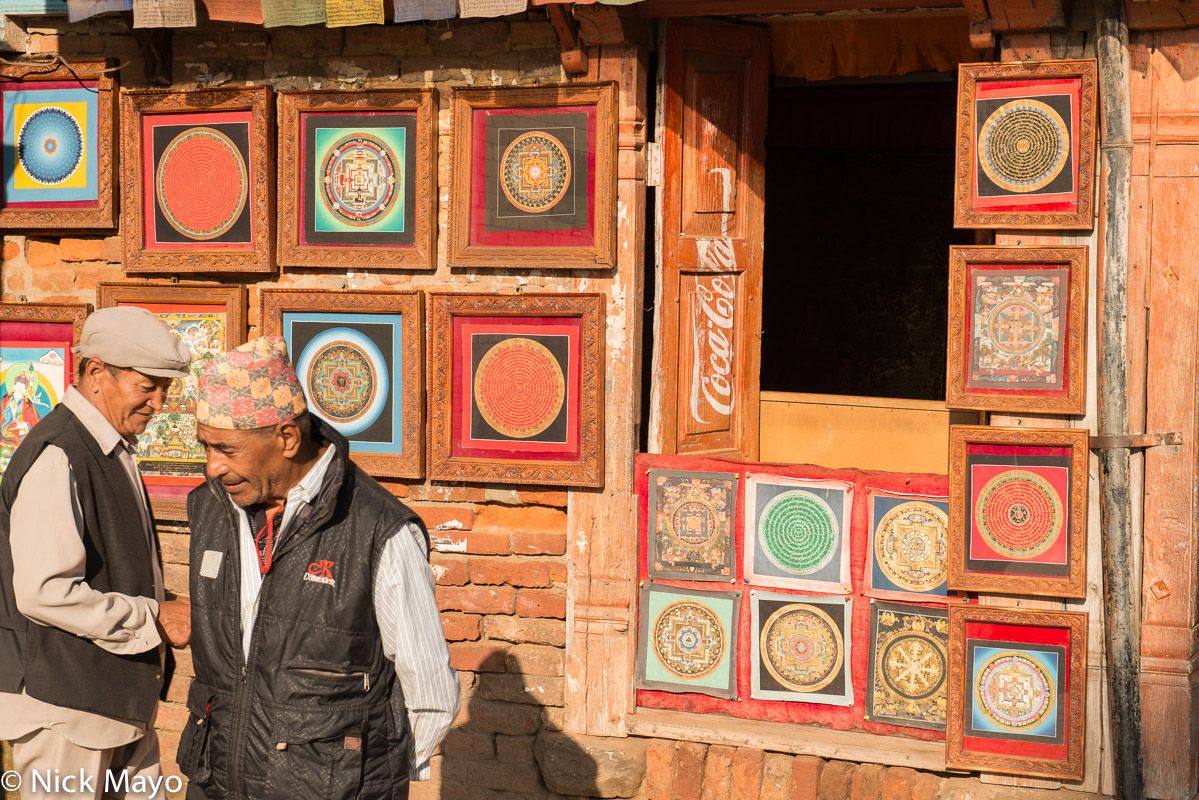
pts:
[316, 710]
[59, 667]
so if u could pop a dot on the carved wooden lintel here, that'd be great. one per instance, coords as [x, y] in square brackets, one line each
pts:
[574, 57]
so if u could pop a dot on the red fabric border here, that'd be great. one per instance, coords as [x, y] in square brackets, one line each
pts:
[979, 449]
[152, 121]
[1062, 202]
[461, 388]
[744, 707]
[575, 237]
[1019, 634]
[60, 333]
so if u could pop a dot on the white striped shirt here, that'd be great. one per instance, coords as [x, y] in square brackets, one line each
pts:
[413, 640]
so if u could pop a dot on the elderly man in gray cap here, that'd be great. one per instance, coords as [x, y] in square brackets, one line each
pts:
[83, 617]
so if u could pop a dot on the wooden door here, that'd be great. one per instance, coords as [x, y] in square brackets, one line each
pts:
[711, 195]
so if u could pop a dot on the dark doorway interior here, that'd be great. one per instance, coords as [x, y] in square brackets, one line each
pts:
[859, 219]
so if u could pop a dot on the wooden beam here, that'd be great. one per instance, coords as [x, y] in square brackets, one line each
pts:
[574, 58]
[1028, 15]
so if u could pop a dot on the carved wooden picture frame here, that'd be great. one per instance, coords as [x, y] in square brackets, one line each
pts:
[199, 182]
[1017, 329]
[1026, 145]
[210, 319]
[60, 154]
[516, 386]
[534, 177]
[371, 345]
[1037, 732]
[385, 219]
[1018, 510]
[36, 365]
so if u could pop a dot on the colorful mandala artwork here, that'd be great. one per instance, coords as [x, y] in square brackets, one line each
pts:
[688, 639]
[359, 179]
[911, 545]
[33, 378]
[50, 145]
[691, 524]
[1019, 514]
[1014, 692]
[802, 648]
[1017, 329]
[1023, 145]
[519, 387]
[535, 171]
[909, 665]
[345, 377]
[798, 532]
[202, 183]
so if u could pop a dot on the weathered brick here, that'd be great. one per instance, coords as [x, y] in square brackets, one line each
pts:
[183, 663]
[438, 69]
[514, 780]
[168, 745]
[473, 542]
[514, 749]
[478, 656]
[466, 745]
[470, 37]
[174, 547]
[659, 770]
[542, 64]
[397, 489]
[718, 773]
[513, 719]
[16, 281]
[476, 599]
[174, 578]
[445, 518]
[531, 631]
[550, 603]
[549, 544]
[521, 518]
[513, 571]
[40, 255]
[747, 773]
[308, 40]
[461, 627]
[80, 249]
[178, 688]
[867, 782]
[558, 571]
[448, 493]
[171, 717]
[450, 570]
[835, 780]
[776, 777]
[545, 498]
[689, 770]
[12, 250]
[805, 776]
[536, 659]
[926, 786]
[897, 783]
[355, 70]
[404, 39]
[534, 690]
[532, 34]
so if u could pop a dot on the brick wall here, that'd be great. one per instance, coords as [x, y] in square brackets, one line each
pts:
[500, 560]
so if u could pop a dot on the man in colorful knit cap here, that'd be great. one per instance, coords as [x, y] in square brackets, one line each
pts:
[83, 617]
[321, 666]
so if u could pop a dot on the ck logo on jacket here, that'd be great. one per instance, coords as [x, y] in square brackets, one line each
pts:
[320, 572]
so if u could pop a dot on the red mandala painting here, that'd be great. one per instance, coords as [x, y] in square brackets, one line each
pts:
[519, 388]
[1019, 514]
[201, 183]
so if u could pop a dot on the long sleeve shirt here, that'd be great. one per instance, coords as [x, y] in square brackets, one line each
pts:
[409, 622]
[49, 587]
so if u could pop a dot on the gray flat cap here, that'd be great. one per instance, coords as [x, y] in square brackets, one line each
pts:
[132, 337]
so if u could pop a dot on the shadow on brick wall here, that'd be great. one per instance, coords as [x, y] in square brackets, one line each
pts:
[507, 745]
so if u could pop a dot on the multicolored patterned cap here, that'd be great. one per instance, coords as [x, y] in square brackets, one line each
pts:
[254, 386]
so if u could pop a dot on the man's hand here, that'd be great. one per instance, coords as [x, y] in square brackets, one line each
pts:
[175, 621]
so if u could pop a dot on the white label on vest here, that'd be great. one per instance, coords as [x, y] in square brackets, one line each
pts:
[210, 566]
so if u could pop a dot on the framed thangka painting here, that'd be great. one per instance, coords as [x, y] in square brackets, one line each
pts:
[534, 177]
[358, 356]
[908, 553]
[516, 388]
[1017, 329]
[688, 641]
[199, 180]
[59, 154]
[690, 525]
[797, 533]
[802, 648]
[210, 320]
[1018, 513]
[36, 365]
[357, 186]
[1025, 145]
[908, 679]
[1017, 691]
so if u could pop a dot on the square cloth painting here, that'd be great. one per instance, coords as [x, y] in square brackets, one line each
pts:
[797, 533]
[688, 641]
[34, 375]
[50, 144]
[909, 547]
[690, 525]
[908, 677]
[802, 648]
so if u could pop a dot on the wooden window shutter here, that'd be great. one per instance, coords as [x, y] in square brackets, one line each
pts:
[710, 317]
